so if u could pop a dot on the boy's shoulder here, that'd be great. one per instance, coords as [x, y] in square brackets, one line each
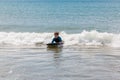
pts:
[59, 37]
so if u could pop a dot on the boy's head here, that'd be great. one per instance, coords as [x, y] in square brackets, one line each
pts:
[56, 34]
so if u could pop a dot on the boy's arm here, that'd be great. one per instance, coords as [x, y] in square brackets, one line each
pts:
[53, 40]
[60, 39]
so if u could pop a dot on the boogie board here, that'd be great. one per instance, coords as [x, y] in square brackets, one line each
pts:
[54, 45]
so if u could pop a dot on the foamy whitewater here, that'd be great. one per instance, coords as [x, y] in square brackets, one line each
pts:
[85, 38]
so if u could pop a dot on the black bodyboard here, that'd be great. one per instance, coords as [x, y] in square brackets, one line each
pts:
[54, 45]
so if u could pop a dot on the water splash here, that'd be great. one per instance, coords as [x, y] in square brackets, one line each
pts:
[85, 38]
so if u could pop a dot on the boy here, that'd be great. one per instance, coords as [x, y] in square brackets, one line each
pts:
[57, 39]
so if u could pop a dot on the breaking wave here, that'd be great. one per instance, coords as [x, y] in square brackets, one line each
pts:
[85, 38]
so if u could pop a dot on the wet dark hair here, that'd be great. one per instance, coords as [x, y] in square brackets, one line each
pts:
[56, 33]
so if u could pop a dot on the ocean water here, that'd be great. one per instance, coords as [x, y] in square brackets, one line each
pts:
[89, 28]
[71, 16]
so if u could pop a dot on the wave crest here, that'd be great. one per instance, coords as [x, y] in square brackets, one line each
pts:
[85, 38]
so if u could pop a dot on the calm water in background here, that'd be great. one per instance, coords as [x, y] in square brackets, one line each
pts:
[27, 25]
[70, 16]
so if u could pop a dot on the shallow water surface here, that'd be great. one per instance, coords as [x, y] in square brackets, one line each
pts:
[59, 64]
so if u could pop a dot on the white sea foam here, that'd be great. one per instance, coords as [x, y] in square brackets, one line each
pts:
[85, 38]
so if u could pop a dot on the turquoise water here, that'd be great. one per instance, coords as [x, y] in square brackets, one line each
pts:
[71, 16]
